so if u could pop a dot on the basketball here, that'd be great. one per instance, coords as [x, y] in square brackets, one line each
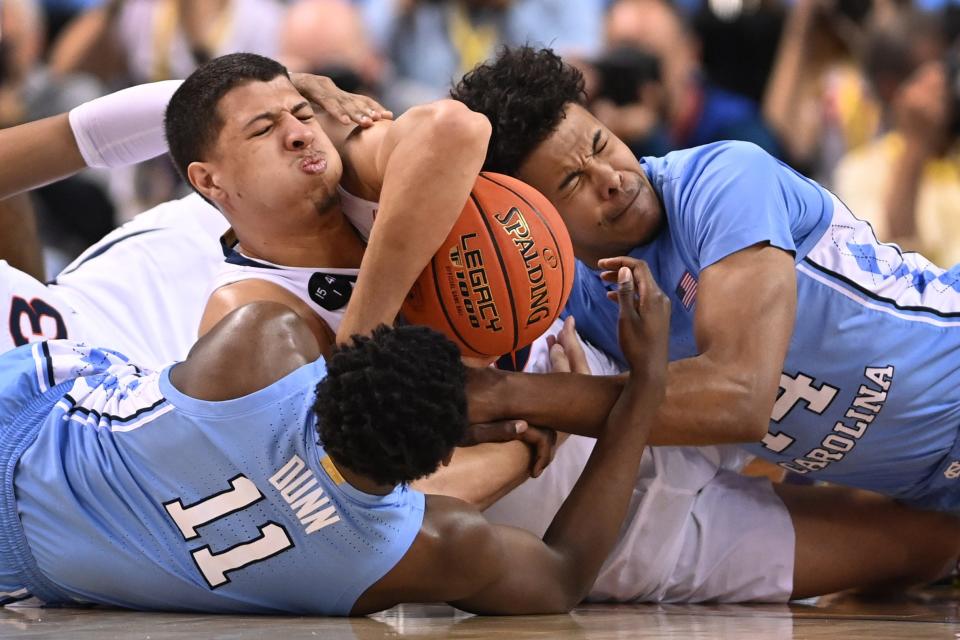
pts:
[503, 274]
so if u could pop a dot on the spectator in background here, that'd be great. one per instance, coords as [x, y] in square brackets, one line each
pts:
[907, 183]
[328, 38]
[125, 42]
[61, 12]
[21, 44]
[431, 43]
[135, 41]
[738, 41]
[21, 41]
[627, 93]
[695, 111]
[839, 62]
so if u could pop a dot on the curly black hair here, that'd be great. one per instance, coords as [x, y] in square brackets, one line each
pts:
[524, 93]
[393, 405]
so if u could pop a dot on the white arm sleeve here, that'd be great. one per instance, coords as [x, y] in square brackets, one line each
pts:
[125, 127]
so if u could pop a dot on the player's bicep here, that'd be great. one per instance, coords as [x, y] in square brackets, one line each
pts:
[746, 305]
[531, 577]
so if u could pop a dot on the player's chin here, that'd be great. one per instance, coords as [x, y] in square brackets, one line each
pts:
[643, 225]
[631, 229]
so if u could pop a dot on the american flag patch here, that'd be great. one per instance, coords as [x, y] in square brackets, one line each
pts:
[687, 290]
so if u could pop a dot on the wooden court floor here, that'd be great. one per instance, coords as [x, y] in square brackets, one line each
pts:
[931, 613]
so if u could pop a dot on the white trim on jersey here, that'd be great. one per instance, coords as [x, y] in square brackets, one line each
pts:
[849, 259]
[39, 360]
[875, 305]
[94, 419]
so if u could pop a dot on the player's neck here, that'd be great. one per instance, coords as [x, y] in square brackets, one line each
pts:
[330, 242]
[361, 482]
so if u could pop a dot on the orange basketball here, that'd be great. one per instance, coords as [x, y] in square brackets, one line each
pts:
[502, 275]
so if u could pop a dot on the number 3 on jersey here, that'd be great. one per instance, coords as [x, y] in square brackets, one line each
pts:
[242, 493]
[34, 320]
[792, 392]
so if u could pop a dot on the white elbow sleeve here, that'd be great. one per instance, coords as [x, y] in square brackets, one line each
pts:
[125, 127]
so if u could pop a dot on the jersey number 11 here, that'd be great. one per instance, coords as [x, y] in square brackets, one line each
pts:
[215, 566]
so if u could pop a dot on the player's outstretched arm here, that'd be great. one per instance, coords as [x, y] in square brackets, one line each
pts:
[126, 127]
[743, 326]
[483, 568]
[425, 165]
[115, 130]
[37, 153]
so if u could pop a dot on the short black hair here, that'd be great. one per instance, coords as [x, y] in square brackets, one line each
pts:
[524, 93]
[193, 121]
[393, 405]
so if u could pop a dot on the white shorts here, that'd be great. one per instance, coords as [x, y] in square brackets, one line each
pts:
[696, 530]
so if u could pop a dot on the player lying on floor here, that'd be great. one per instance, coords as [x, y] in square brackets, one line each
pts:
[156, 314]
[284, 489]
[794, 330]
[247, 141]
[117, 130]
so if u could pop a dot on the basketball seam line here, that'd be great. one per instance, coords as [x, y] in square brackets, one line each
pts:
[503, 266]
[563, 272]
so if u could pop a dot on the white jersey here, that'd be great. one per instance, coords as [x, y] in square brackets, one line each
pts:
[696, 529]
[325, 290]
[143, 287]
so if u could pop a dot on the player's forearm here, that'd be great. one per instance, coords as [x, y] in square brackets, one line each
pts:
[427, 180]
[568, 402]
[708, 404]
[37, 153]
[587, 525]
[704, 403]
[480, 475]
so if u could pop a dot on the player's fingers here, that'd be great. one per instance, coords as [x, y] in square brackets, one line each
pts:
[374, 109]
[542, 440]
[573, 347]
[500, 431]
[614, 264]
[558, 358]
[646, 285]
[650, 295]
[626, 293]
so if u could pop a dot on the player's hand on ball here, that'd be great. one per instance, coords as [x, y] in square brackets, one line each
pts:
[345, 107]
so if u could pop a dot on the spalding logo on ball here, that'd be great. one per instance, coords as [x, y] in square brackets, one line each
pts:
[503, 274]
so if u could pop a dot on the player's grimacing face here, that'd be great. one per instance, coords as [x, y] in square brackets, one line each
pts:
[271, 152]
[597, 186]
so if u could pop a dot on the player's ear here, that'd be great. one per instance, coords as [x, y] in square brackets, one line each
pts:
[205, 180]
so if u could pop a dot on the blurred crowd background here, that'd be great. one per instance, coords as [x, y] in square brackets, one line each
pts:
[861, 95]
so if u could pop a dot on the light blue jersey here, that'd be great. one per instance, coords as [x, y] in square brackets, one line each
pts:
[119, 489]
[870, 392]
